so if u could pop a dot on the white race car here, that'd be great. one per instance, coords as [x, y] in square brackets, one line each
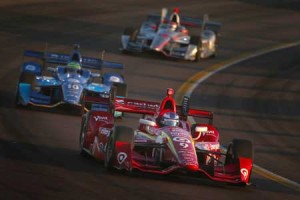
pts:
[168, 35]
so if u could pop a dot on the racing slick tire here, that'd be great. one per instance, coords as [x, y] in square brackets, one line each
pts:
[131, 32]
[196, 40]
[24, 78]
[119, 134]
[121, 89]
[27, 78]
[239, 148]
[82, 137]
[17, 97]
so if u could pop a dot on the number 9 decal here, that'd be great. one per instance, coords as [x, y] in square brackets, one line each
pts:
[183, 142]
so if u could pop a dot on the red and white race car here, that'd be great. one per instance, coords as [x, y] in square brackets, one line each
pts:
[165, 141]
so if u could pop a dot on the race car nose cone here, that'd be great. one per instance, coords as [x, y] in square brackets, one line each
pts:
[192, 167]
[71, 101]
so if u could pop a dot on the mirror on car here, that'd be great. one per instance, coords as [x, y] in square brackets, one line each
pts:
[95, 75]
[147, 122]
[51, 69]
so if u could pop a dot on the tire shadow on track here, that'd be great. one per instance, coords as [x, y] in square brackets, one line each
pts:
[71, 160]
[44, 155]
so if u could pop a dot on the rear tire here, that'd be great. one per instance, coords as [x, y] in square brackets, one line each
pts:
[121, 89]
[23, 78]
[239, 148]
[120, 134]
[27, 78]
[82, 138]
[196, 40]
[17, 98]
[131, 32]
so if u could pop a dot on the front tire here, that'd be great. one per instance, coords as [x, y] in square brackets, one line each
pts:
[82, 139]
[119, 134]
[239, 148]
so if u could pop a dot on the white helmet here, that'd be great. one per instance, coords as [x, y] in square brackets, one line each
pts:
[169, 119]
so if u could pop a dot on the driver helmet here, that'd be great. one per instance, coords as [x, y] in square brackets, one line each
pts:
[174, 26]
[74, 66]
[169, 119]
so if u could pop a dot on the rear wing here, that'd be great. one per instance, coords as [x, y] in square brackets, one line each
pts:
[151, 108]
[96, 101]
[189, 21]
[195, 113]
[62, 59]
[136, 106]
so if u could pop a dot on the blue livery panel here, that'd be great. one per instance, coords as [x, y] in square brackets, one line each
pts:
[32, 67]
[59, 58]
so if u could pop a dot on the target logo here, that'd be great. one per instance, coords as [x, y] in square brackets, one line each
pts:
[121, 157]
[244, 172]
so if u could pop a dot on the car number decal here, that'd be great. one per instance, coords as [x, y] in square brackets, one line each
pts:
[183, 142]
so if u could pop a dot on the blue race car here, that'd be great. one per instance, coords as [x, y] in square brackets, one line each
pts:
[65, 83]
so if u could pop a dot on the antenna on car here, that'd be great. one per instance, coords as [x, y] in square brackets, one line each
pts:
[205, 20]
[170, 92]
[102, 54]
[76, 46]
[164, 12]
[45, 55]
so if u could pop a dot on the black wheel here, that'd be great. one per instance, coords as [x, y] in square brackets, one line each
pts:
[27, 78]
[23, 78]
[239, 148]
[82, 138]
[121, 134]
[131, 32]
[17, 98]
[109, 151]
[121, 89]
[196, 40]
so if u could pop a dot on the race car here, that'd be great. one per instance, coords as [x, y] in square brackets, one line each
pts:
[168, 34]
[164, 142]
[65, 83]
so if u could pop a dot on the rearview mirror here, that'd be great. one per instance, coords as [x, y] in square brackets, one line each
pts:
[199, 130]
[51, 69]
[95, 75]
[147, 122]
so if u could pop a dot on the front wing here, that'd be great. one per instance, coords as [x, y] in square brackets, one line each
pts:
[238, 173]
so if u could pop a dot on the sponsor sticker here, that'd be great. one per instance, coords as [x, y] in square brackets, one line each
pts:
[208, 145]
[121, 157]
[30, 67]
[104, 131]
[120, 101]
[114, 79]
[100, 118]
[73, 80]
[244, 172]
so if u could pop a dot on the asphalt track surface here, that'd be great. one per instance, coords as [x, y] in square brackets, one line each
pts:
[257, 99]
